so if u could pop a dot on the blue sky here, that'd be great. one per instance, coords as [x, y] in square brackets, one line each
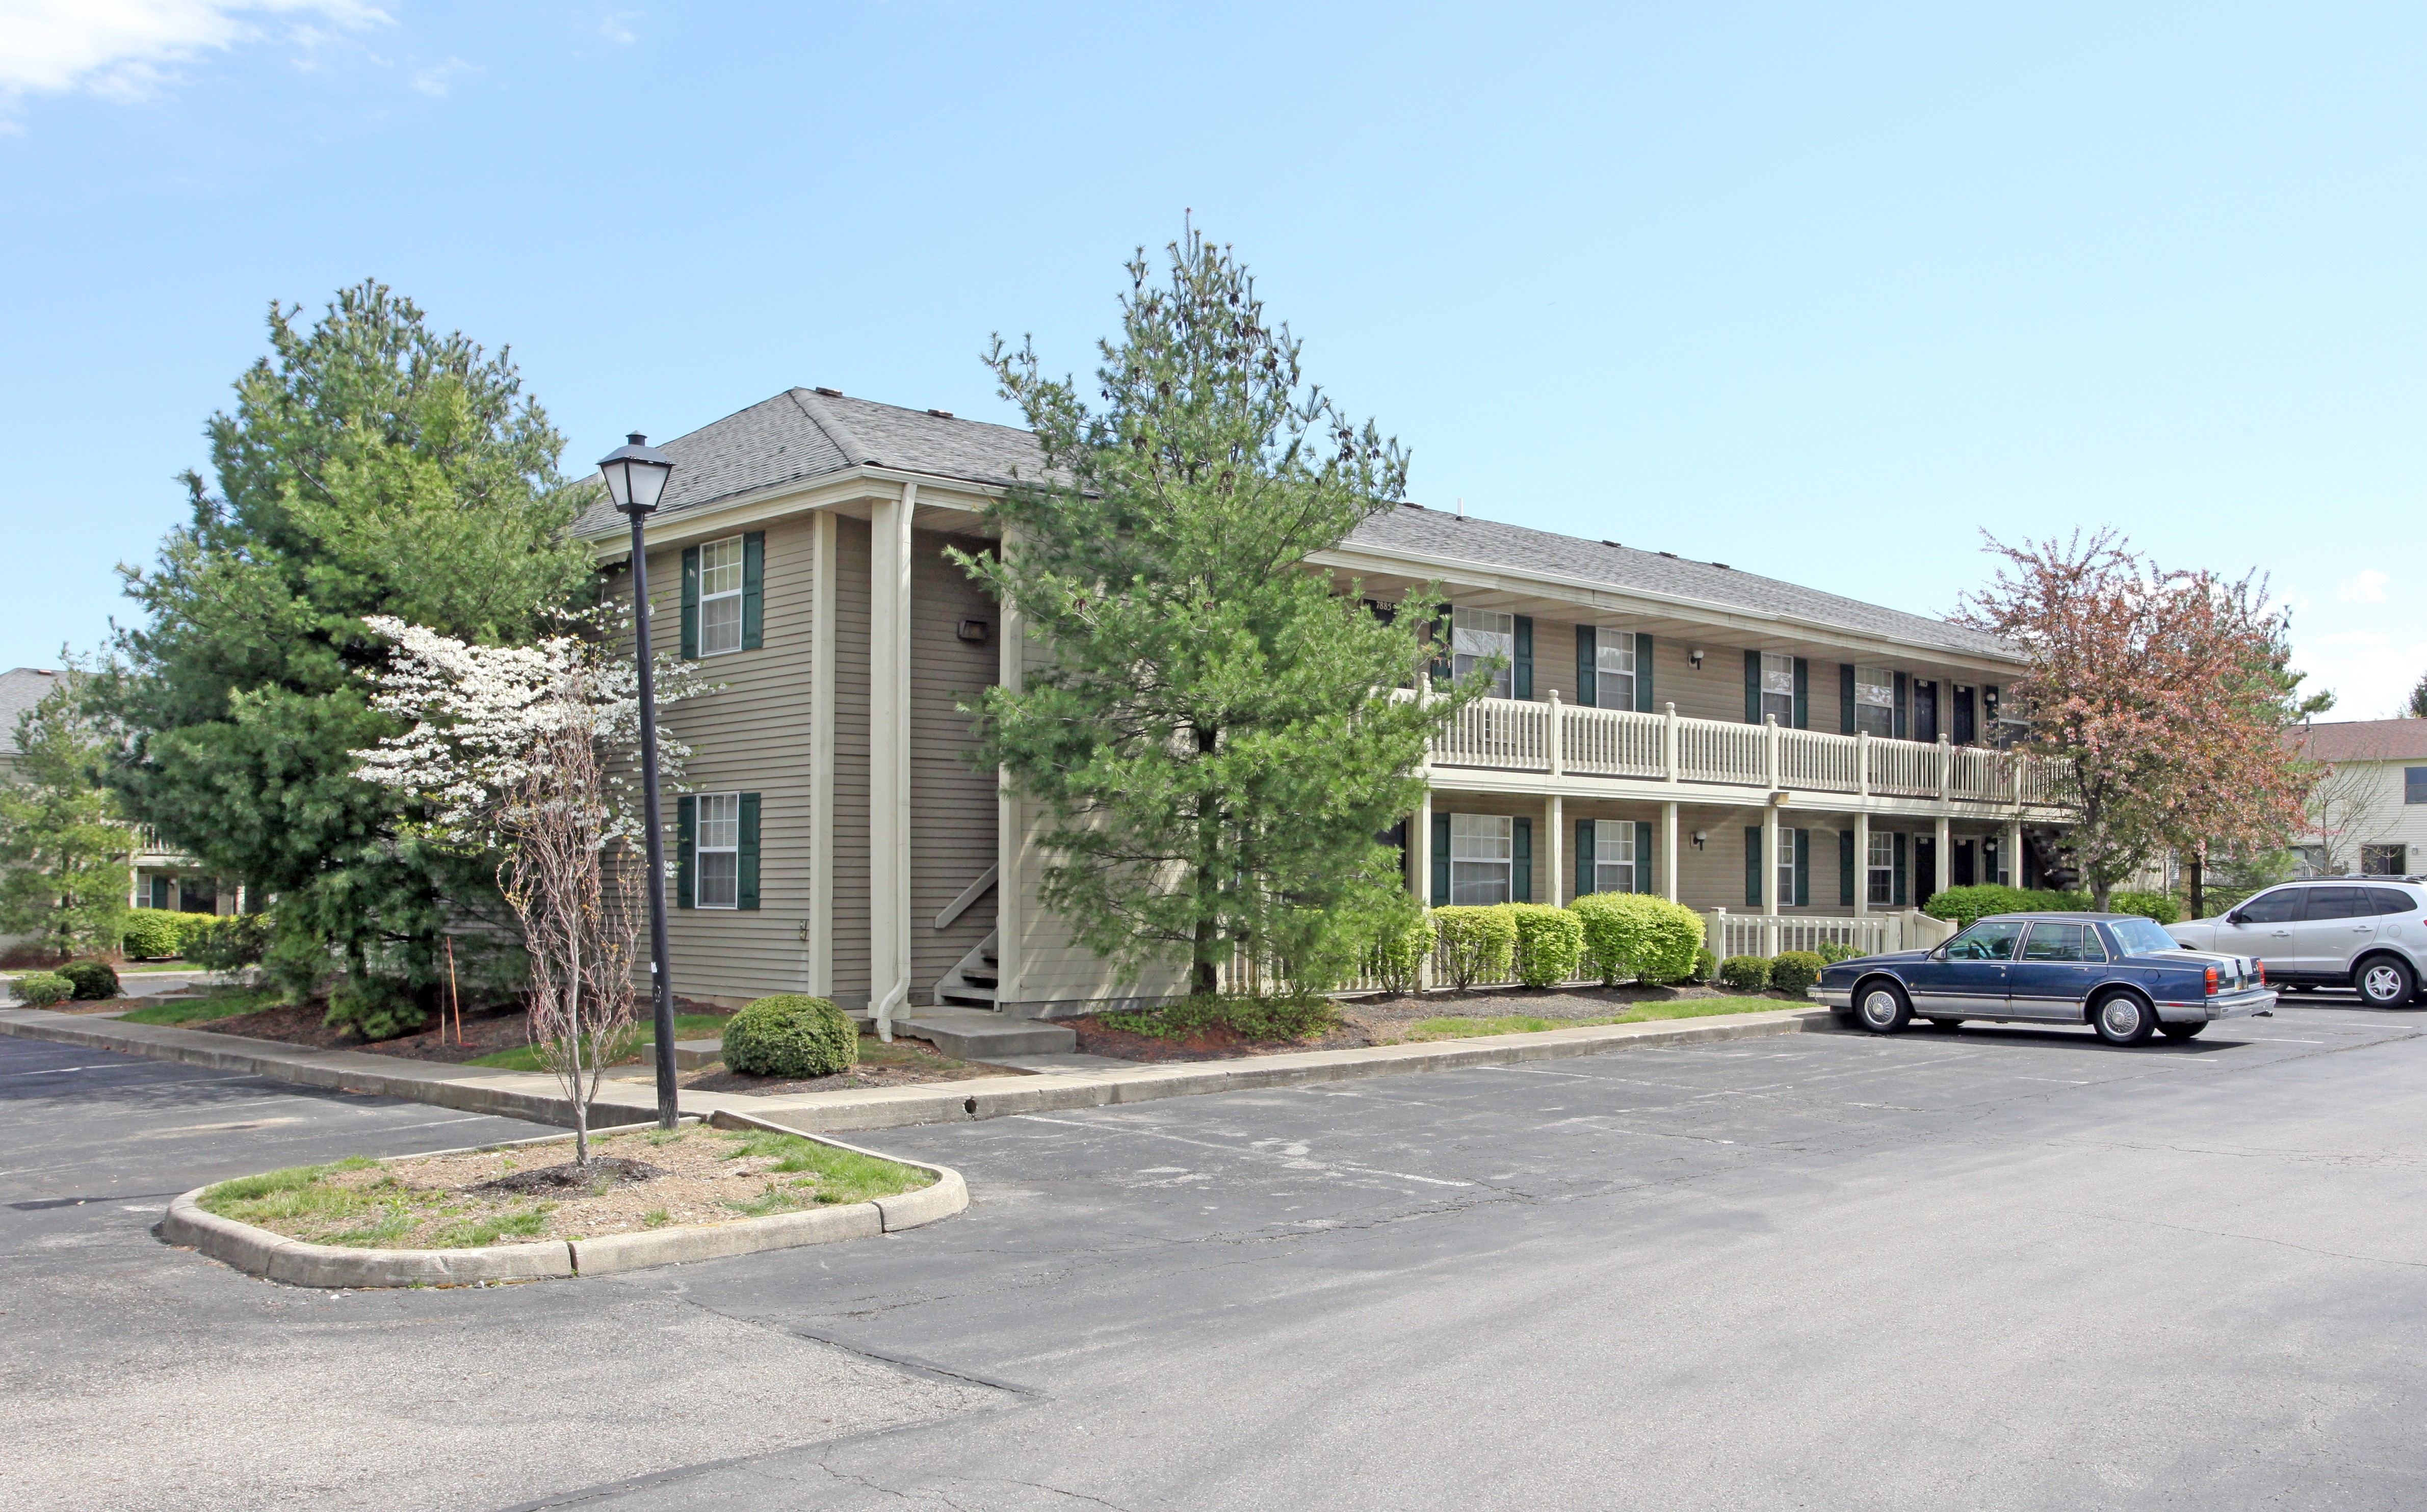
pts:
[1823, 291]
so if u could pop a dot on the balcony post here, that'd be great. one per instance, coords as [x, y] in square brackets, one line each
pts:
[1946, 766]
[1557, 744]
[1556, 815]
[1861, 860]
[1863, 762]
[1942, 859]
[1668, 747]
[1769, 748]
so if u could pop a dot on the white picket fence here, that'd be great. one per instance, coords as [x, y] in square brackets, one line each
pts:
[1726, 934]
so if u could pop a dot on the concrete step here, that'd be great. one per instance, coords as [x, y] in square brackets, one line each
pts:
[981, 976]
[975, 1034]
[983, 998]
[690, 1054]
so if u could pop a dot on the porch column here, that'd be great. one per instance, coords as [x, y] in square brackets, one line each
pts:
[1668, 848]
[1011, 825]
[818, 966]
[2010, 854]
[888, 758]
[1942, 858]
[1420, 861]
[1557, 810]
[1861, 862]
[1770, 902]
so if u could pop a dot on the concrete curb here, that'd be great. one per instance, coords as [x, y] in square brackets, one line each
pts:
[519, 1094]
[277, 1258]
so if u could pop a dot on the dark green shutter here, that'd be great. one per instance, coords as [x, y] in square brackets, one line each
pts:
[1521, 861]
[1846, 867]
[1440, 860]
[1802, 868]
[1903, 704]
[1802, 695]
[1643, 675]
[1442, 663]
[1753, 865]
[1845, 698]
[686, 840]
[690, 608]
[746, 894]
[1897, 893]
[1752, 686]
[1521, 676]
[754, 594]
[1643, 858]
[160, 892]
[1587, 666]
[1584, 856]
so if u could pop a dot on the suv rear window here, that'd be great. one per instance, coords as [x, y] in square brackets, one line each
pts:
[2389, 902]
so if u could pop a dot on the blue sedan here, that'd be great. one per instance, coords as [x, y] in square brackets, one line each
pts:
[2119, 973]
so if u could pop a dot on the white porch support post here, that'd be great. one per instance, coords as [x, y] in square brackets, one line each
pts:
[888, 758]
[1863, 762]
[2010, 853]
[1668, 841]
[1770, 902]
[820, 964]
[1861, 862]
[1668, 744]
[1559, 755]
[1420, 860]
[1942, 859]
[1556, 815]
[1011, 825]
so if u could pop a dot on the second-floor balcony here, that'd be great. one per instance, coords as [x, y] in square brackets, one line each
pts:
[1564, 740]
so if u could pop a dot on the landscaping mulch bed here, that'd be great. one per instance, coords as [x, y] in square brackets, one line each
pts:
[652, 1178]
[906, 1062]
[485, 1031]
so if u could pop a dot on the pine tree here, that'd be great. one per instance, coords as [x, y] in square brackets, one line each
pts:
[370, 466]
[64, 844]
[1218, 733]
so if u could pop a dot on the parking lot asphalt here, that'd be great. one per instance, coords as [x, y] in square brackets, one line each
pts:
[2007, 1267]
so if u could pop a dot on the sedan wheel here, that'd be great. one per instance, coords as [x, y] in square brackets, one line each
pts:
[2124, 1019]
[1882, 1009]
[2385, 982]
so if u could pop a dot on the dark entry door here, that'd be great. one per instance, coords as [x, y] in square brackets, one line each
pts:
[1925, 711]
[1925, 868]
[1965, 868]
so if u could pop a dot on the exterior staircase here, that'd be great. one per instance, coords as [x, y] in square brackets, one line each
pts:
[972, 981]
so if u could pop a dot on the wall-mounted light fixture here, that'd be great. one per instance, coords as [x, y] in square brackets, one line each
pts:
[1695, 656]
[974, 632]
[1699, 836]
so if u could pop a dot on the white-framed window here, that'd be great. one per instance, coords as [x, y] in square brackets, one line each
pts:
[1778, 689]
[1613, 856]
[1482, 848]
[719, 596]
[1476, 636]
[716, 849]
[1785, 896]
[1880, 868]
[1875, 700]
[2384, 860]
[1613, 669]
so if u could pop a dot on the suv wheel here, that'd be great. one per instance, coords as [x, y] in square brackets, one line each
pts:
[1881, 1007]
[2123, 1019]
[2385, 981]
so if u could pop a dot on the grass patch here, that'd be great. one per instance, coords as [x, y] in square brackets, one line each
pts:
[222, 1002]
[832, 1176]
[1249, 1018]
[1447, 1028]
[687, 1025]
[472, 1233]
[301, 1198]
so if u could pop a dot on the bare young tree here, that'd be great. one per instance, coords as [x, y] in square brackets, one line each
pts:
[2343, 815]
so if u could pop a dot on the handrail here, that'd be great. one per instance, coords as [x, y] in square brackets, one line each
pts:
[970, 894]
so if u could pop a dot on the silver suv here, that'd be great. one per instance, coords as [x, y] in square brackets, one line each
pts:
[2368, 934]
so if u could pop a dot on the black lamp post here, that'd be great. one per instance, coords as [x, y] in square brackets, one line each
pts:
[636, 479]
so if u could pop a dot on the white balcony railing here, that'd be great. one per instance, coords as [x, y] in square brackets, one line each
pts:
[1518, 735]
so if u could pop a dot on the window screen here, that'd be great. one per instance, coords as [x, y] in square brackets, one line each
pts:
[1778, 689]
[720, 599]
[1613, 856]
[1614, 669]
[1875, 700]
[718, 846]
[1477, 637]
[1481, 847]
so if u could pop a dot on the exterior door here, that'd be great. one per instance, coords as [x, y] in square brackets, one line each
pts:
[1966, 977]
[2336, 923]
[1925, 868]
[2052, 977]
[2262, 929]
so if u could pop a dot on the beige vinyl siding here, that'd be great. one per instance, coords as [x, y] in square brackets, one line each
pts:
[850, 922]
[952, 803]
[751, 736]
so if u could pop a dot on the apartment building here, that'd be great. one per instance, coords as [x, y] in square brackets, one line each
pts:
[1658, 723]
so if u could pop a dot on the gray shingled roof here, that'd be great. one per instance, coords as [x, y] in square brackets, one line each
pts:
[803, 434]
[1489, 544]
[2364, 739]
[21, 689]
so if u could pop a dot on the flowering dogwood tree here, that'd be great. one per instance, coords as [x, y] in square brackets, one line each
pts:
[531, 752]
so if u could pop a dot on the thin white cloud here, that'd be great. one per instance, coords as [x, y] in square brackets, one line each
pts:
[616, 27]
[442, 78]
[2368, 588]
[124, 48]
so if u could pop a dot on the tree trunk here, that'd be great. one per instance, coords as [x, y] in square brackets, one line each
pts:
[2199, 888]
[1204, 977]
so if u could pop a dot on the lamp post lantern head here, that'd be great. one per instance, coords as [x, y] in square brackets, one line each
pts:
[636, 475]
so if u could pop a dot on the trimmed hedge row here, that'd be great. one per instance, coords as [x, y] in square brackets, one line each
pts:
[1966, 907]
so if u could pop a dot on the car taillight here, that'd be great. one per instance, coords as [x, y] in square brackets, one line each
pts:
[2260, 968]
[2211, 981]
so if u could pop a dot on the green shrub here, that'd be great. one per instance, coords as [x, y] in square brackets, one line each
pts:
[151, 935]
[1282, 1019]
[1793, 971]
[1746, 973]
[1635, 936]
[1550, 942]
[93, 980]
[1475, 943]
[1399, 956]
[230, 944]
[375, 1007]
[1966, 907]
[39, 989]
[1706, 965]
[2158, 906]
[790, 1035]
[1832, 952]
[192, 927]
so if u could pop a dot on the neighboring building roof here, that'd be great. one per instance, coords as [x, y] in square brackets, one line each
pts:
[21, 689]
[806, 433]
[2365, 740]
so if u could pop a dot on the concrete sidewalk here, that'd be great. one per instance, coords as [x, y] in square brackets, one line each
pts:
[524, 1095]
